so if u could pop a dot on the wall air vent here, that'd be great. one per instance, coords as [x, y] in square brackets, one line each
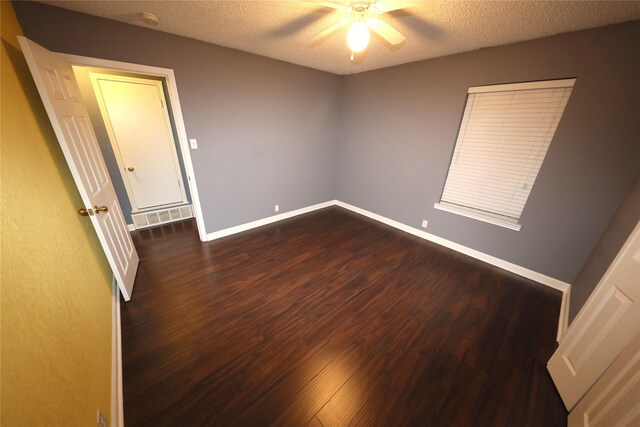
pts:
[161, 216]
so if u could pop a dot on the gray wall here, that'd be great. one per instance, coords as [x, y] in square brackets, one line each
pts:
[265, 128]
[400, 126]
[93, 109]
[614, 237]
[271, 132]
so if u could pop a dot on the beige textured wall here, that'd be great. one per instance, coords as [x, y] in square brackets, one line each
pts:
[55, 284]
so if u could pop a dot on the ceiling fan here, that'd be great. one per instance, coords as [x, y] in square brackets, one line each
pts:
[364, 16]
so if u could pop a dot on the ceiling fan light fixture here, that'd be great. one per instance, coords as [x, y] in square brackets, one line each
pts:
[358, 37]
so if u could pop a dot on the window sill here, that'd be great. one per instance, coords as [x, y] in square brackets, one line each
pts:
[494, 219]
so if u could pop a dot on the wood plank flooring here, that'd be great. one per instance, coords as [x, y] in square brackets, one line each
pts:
[331, 319]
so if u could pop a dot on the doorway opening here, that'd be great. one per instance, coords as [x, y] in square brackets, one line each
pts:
[137, 118]
[133, 122]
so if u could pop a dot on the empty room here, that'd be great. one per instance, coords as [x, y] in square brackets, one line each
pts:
[320, 213]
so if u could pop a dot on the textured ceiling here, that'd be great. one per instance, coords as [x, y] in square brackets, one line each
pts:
[282, 29]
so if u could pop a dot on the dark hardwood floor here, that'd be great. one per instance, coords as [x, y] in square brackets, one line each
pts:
[331, 319]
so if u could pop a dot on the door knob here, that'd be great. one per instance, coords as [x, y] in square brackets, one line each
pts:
[100, 209]
[85, 212]
[131, 168]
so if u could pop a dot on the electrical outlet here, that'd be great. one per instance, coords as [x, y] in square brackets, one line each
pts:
[102, 421]
[424, 223]
[194, 143]
[276, 208]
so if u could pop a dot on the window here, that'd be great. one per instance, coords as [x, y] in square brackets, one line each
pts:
[503, 138]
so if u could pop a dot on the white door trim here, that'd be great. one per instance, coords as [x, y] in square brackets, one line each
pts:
[168, 75]
[563, 322]
[117, 407]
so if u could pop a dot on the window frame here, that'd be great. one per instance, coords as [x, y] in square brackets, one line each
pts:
[479, 214]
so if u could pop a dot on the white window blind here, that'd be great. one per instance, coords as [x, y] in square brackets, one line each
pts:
[503, 139]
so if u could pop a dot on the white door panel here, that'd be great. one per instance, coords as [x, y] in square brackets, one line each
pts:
[59, 91]
[614, 400]
[606, 324]
[137, 121]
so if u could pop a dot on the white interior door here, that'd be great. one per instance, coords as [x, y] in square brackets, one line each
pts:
[614, 400]
[137, 121]
[606, 324]
[60, 95]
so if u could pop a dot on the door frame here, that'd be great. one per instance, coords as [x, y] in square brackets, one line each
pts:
[117, 150]
[169, 77]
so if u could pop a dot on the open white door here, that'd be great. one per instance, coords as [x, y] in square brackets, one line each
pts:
[60, 95]
[614, 399]
[606, 324]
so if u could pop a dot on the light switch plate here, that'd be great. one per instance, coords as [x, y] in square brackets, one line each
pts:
[194, 143]
[424, 223]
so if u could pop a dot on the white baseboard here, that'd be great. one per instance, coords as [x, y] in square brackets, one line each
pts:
[259, 223]
[563, 321]
[117, 406]
[506, 265]
[563, 287]
[559, 285]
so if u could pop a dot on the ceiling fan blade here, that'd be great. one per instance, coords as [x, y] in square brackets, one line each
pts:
[384, 6]
[386, 31]
[335, 27]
